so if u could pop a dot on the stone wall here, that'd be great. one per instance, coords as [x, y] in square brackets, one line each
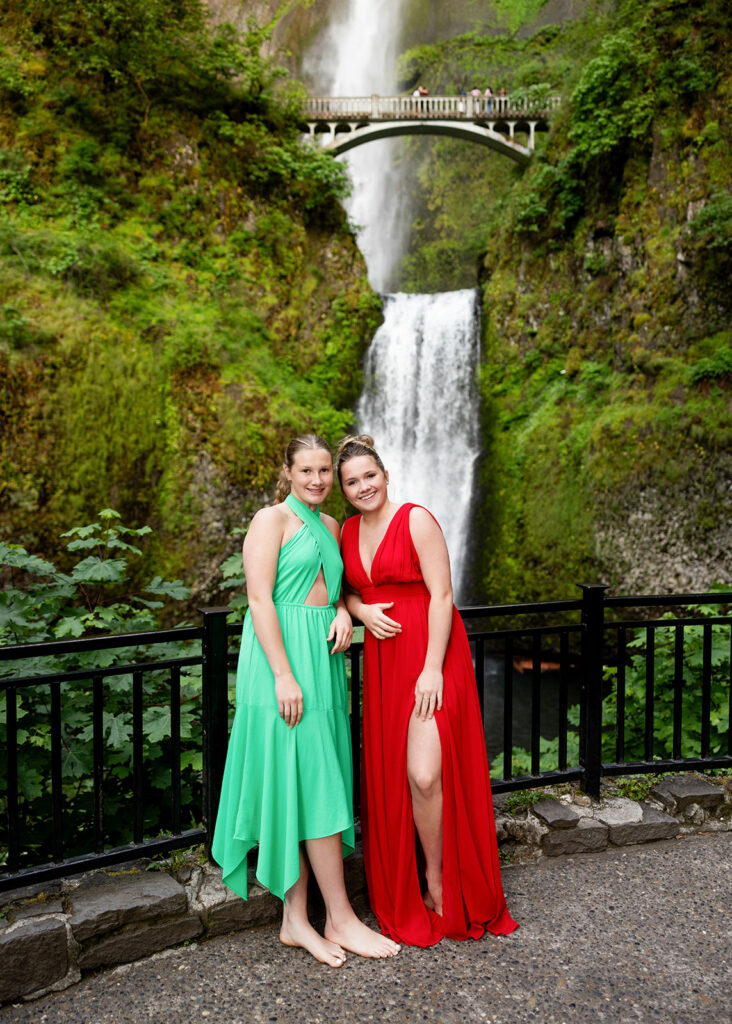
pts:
[51, 934]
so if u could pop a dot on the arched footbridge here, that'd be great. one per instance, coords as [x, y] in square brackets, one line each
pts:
[340, 123]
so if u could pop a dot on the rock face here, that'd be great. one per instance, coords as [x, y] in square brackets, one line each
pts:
[36, 955]
[103, 903]
[681, 791]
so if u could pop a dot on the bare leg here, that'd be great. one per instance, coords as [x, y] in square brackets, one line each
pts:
[296, 930]
[341, 924]
[424, 771]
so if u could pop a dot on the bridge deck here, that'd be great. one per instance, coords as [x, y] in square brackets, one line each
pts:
[457, 108]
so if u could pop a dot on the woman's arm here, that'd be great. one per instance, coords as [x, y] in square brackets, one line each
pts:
[259, 554]
[373, 616]
[341, 628]
[434, 561]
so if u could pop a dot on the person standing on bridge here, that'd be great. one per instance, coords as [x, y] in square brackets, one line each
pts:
[289, 776]
[488, 97]
[425, 767]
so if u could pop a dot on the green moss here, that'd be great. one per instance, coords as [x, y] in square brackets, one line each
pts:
[166, 321]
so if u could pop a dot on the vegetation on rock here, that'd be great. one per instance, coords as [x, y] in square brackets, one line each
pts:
[180, 291]
[605, 273]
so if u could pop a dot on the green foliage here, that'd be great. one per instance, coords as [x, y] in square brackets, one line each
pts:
[170, 256]
[663, 687]
[548, 757]
[711, 234]
[521, 799]
[610, 104]
[637, 788]
[282, 169]
[91, 597]
[39, 602]
[712, 368]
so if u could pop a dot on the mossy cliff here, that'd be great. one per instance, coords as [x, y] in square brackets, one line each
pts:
[179, 290]
[605, 270]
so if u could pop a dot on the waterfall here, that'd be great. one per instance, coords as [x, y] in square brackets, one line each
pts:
[358, 58]
[420, 403]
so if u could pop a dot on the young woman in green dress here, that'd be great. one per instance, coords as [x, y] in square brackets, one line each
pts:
[288, 780]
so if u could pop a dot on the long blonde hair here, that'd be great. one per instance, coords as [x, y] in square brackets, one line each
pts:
[311, 442]
[352, 446]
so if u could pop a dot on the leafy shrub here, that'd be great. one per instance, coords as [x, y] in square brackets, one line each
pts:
[40, 603]
[15, 179]
[711, 235]
[92, 268]
[14, 85]
[635, 683]
[611, 104]
[712, 368]
[635, 701]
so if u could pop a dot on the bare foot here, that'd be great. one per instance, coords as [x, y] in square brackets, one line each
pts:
[297, 933]
[359, 938]
[433, 897]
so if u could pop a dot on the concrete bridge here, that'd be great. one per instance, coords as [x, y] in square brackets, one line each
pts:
[343, 122]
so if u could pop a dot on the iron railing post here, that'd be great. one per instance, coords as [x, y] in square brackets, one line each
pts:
[593, 619]
[215, 714]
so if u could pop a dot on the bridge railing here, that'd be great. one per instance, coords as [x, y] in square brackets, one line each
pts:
[389, 108]
[613, 696]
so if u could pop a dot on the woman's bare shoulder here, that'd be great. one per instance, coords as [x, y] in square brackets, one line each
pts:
[332, 525]
[422, 519]
[269, 520]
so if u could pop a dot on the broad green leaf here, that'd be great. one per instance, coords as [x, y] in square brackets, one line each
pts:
[70, 625]
[30, 783]
[192, 759]
[92, 570]
[16, 557]
[122, 545]
[169, 588]
[156, 724]
[83, 544]
[232, 566]
[82, 531]
[71, 764]
[118, 729]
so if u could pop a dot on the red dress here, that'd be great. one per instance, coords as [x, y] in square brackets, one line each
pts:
[472, 893]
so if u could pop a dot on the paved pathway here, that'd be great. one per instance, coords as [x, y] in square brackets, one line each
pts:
[640, 934]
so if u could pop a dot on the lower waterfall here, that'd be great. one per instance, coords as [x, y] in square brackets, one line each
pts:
[421, 405]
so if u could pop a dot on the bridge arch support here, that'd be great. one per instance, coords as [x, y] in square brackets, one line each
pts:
[345, 135]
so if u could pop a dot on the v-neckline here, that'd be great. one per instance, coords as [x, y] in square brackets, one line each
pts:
[378, 546]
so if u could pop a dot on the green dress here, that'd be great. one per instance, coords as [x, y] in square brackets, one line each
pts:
[284, 785]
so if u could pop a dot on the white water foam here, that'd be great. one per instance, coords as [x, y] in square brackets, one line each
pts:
[421, 405]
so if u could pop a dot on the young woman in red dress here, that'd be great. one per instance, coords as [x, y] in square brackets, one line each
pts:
[425, 769]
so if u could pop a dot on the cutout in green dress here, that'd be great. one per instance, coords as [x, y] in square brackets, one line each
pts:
[283, 785]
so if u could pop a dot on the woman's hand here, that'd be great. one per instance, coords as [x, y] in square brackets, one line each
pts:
[341, 631]
[289, 698]
[428, 694]
[376, 620]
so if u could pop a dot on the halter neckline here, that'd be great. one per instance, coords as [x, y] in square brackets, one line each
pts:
[290, 499]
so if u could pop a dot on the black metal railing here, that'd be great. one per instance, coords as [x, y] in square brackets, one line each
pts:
[556, 666]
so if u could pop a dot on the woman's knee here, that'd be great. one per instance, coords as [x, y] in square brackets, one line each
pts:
[425, 780]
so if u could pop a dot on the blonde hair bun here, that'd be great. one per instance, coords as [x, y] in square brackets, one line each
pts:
[364, 440]
[354, 445]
